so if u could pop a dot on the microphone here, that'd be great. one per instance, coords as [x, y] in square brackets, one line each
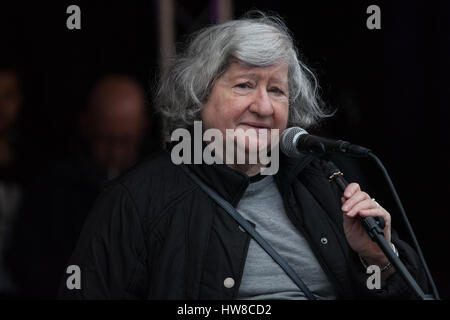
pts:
[296, 140]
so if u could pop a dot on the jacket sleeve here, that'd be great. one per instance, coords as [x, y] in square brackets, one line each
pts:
[110, 252]
[394, 287]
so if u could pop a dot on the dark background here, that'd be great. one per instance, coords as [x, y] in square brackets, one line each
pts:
[390, 86]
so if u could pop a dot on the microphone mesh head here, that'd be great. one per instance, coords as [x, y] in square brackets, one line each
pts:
[289, 139]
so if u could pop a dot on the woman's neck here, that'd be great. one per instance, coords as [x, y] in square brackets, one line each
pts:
[249, 169]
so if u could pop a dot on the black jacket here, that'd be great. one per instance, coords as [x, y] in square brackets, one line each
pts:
[153, 234]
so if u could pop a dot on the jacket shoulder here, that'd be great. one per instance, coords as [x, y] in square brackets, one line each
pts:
[154, 183]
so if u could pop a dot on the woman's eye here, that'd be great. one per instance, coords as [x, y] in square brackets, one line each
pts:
[277, 91]
[244, 85]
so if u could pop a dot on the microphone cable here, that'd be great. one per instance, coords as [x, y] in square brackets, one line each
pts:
[406, 221]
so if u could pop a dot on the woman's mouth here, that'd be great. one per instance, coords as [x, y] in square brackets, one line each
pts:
[256, 126]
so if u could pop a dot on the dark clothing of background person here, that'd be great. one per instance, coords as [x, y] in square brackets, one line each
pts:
[14, 179]
[154, 234]
[49, 224]
[15, 163]
[54, 211]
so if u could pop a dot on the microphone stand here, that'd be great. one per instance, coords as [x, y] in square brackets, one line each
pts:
[374, 227]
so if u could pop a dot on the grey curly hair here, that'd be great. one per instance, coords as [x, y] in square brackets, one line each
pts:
[256, 41]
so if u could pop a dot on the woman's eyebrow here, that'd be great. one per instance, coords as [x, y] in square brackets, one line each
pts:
[243, 75]
[255, 75]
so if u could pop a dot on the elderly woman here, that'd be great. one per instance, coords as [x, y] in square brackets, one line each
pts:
[154, 234]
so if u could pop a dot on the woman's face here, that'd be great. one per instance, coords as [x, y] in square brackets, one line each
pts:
[249, 98]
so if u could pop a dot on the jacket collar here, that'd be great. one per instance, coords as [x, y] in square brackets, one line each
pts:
[231, 184]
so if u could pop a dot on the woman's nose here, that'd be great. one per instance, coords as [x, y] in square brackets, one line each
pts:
[262, 105]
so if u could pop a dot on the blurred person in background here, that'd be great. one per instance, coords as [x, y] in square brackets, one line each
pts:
[114, 123]
[11, 162]
[112, 126]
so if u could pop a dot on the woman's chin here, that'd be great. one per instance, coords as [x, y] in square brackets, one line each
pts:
[253, 146]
